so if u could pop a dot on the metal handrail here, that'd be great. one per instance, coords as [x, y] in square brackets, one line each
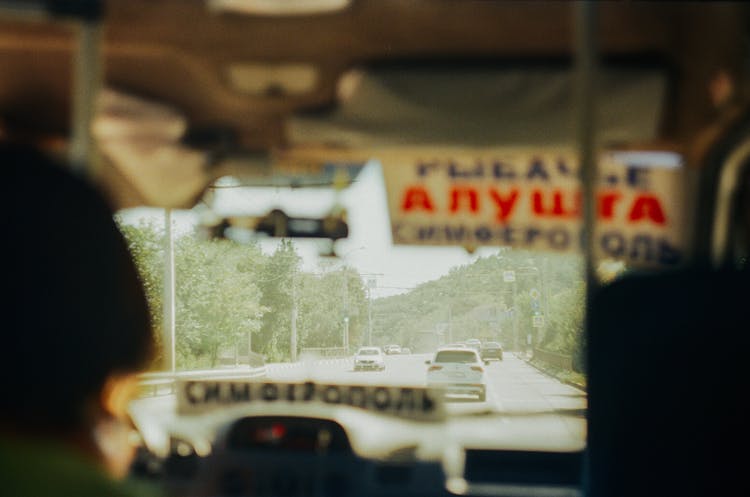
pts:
[162, 382]
[326, 351]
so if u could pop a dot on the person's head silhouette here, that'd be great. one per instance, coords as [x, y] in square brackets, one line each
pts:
[76, 326]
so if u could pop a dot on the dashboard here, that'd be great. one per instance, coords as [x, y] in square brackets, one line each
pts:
[291, 456]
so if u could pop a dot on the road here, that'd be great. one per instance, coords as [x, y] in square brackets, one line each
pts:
[524, 409]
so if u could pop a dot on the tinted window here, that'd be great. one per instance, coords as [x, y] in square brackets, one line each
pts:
[455, 356]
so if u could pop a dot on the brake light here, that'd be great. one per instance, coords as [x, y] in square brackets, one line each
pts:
[477, 368]
[435, 368]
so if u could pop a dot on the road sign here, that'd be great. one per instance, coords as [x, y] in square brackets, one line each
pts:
[537, 321]
[534, 294]
[509, 276]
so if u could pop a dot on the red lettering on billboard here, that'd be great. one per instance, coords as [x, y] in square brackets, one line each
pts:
[417, 197]
[607, 201]
[504, 203]
[541, 201]
[647, 207]
[468, 193]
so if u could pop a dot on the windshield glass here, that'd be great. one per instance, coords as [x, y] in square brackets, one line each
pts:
[238, 305]
[458, 187]
[455, 356]
[369, 352]
[391, 215]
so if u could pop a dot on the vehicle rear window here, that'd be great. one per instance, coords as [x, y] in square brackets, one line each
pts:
[368, 352]
[491, 345]
[455, 356]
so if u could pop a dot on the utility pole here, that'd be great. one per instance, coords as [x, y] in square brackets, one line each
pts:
[515, 315]
[450, 323]
[369, 313]
[371, 283]
[346, 312]
[168, 324]
[249, 345]
[509, 276]
[545, 296]
[293, 342]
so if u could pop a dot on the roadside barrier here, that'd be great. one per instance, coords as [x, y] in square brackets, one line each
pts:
[324, 352]
[162, 383]
[554, 359]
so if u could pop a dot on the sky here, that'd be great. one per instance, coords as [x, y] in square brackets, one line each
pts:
[369, 249]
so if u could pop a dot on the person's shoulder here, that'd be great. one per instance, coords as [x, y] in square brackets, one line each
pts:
[138, 488]
[43, 469]
[681, 281]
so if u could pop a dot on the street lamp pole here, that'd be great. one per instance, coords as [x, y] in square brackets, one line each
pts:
[293, 338]
[369, 315]
[346, 312]
[168, 325]
[540, 283]
[371, 283]
[345, 340]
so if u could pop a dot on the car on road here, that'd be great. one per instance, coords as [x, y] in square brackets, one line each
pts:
[458, 371]
[454, 346]
[474, 343]
[369, 358]
[491, 350]
[392, 349]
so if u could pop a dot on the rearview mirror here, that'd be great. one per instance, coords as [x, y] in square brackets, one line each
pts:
[427, 361]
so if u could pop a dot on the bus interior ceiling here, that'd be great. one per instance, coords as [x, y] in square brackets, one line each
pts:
[208, 64]
[188, 61]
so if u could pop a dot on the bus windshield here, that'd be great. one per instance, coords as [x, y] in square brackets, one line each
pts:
[331, 203]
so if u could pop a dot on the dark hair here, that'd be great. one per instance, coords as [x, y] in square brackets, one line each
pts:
[75, 310]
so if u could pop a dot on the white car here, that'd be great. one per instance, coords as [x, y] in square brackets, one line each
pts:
[474, 344]
[369, 358]
[392, 349]
[458, 371]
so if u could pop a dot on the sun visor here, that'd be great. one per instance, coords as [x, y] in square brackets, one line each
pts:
[487, 157]
[469, 107]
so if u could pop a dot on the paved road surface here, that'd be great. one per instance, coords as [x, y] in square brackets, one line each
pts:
[524, 408]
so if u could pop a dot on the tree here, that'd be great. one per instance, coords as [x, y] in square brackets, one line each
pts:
[277, 281]
[565, 330]
[145, 242]
[217, 299]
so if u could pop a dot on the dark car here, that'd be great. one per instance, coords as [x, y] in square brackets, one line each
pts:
[491, 350]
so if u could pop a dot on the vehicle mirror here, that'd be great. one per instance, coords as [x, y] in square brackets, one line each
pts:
[428, 361]
[486, 363]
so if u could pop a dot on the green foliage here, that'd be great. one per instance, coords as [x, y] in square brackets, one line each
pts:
[146, 245]
[278, 280]
[227, 294]
[217, 300]
[326, 301]
[473, 301]
[566, 320]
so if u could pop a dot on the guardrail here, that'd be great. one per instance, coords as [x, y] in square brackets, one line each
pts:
[554, 359]
[325, 352]
[162, 383]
